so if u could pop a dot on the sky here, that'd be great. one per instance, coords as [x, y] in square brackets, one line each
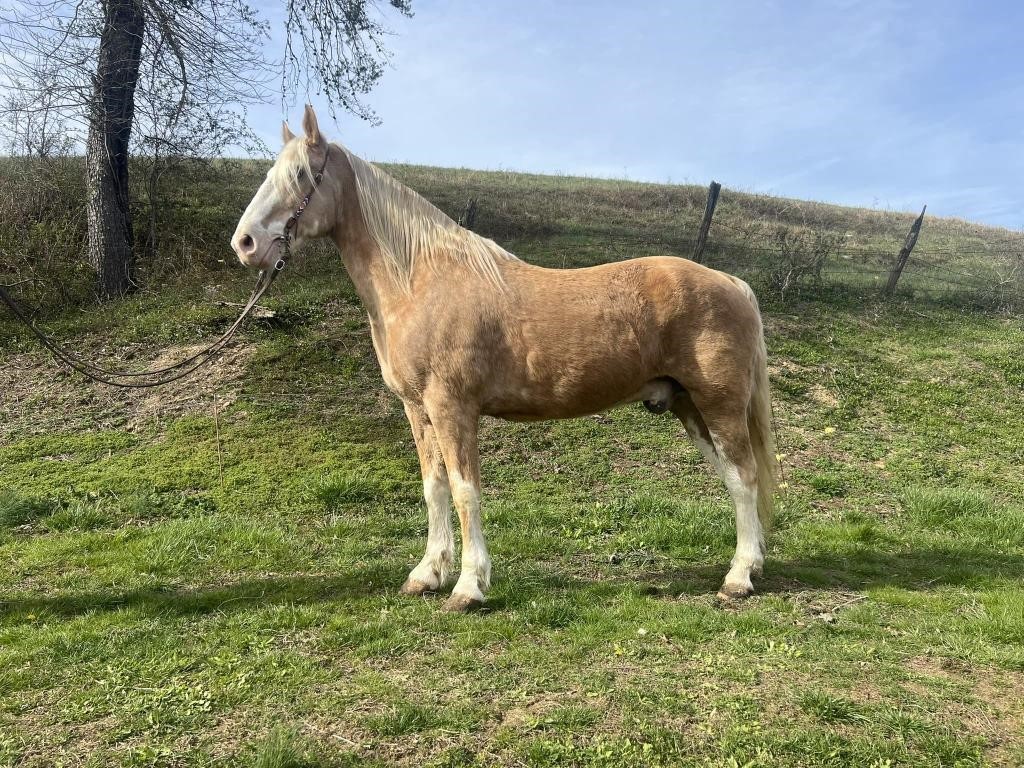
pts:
[873, 103]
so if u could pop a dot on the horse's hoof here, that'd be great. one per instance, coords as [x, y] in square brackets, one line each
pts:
[414, 588]
[462, 604]
[730, 593]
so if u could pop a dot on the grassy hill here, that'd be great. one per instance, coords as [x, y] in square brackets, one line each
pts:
[784, 247]
[207, 574]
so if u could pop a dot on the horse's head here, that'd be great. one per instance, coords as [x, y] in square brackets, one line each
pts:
[260, 233]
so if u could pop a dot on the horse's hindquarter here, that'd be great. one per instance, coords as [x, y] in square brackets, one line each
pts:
[581, 341]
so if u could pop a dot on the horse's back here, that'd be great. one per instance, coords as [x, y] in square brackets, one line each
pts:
[665, 289]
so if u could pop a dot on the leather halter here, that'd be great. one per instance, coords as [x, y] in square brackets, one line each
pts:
[285, 240]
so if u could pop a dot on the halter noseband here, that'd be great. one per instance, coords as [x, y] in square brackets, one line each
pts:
[285, 241]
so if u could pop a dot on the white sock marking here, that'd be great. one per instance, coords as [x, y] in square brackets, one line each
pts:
[434, 568]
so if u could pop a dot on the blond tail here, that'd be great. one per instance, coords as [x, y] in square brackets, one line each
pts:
[762, 439]
[761, 428]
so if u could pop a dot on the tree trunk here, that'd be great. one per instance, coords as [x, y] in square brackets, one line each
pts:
[110, 125]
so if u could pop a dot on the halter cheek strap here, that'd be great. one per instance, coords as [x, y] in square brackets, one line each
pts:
[286, 240]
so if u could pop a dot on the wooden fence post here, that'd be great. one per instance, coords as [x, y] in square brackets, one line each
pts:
[468, 216]
[901, 260]
[705, 224]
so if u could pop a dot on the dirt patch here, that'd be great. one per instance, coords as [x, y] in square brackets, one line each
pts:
[783, 325]
[940, 667]
[536, 710]
[822, 396]
[1001, 710]
[823, 606]
[993, 709]
[865, 692]
[221, 378]
[41, 397]
[44, 738]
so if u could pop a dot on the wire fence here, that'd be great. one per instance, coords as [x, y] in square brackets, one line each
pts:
[785, 262]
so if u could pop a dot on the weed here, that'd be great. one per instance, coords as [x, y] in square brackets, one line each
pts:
[283, 748]
[16, 509]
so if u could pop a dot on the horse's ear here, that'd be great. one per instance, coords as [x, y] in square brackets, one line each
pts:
[286, 132]
[310, 127]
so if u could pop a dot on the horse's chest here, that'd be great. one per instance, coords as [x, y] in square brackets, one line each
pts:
[394, 373]
[380, 345]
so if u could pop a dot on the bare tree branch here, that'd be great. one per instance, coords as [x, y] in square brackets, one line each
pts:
[338, 46]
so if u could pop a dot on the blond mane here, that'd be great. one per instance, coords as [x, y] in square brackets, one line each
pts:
[408, 230]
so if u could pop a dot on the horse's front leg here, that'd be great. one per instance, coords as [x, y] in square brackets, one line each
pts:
[432, 571]
[455, 427]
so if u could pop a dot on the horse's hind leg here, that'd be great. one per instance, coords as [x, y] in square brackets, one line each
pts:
[722, 437]
[685, 410]
[432, 571]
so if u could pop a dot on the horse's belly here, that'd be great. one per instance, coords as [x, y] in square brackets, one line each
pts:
[563, 399]
[567, 364]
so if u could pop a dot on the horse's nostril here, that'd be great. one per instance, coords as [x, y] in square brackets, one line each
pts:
[243, 245]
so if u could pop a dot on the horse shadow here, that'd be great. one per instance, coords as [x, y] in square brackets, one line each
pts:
[921, 569]
[279, 589]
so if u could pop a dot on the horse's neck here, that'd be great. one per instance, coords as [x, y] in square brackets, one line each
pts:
[376, 288]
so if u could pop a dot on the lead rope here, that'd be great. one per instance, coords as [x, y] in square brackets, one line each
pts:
[178, 370]
[188, 365]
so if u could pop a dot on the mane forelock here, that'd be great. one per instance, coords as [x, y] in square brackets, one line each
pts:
[293, 161]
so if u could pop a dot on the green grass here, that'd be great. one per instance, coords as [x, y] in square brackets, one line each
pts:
[171, 600]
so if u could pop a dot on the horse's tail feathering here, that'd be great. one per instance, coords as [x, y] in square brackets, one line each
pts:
[760, 426]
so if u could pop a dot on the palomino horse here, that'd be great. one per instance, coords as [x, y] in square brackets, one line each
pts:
[463, 329]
